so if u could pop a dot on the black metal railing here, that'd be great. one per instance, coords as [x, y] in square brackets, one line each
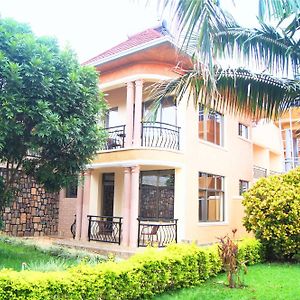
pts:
[73, 228]
[157, 233]
[115, 137]
[105, 229]
[259, 172]
[160, 135]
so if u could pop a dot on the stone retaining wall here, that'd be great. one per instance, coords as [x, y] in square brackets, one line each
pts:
[33, 213]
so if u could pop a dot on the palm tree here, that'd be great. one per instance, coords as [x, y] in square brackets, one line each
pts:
[210, 34]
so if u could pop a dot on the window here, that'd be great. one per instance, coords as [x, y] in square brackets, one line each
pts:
[71, 190]
[166, 112]
[157, 194]
[211, 198]
[243, 131]
[244, 186]
[112, 118]
[211, 126]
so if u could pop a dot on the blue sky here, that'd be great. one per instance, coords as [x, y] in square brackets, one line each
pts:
[92, 26]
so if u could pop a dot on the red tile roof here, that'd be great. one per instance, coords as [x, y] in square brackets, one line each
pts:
[133, 41]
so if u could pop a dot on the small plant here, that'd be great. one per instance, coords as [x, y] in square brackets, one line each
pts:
[228, 251]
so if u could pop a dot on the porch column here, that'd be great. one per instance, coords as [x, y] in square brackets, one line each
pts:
[129, 115]
[138, 112]
[134, 206]
[79, 202]
[85, 205]
[126, 207]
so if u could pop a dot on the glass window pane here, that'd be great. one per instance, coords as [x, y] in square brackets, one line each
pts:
[112, 118]
[211, 198]
[202, 181]
[210, 126]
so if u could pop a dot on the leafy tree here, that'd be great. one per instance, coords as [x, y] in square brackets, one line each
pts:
[272, 212]
[49, 107]
[209, 35]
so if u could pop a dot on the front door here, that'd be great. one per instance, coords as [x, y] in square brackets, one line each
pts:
[108, 188]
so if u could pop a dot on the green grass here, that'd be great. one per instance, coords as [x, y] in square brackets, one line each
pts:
[263, 282]
[18, 254]
[13, 256]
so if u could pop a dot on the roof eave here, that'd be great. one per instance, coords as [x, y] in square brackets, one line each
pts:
[132, 50]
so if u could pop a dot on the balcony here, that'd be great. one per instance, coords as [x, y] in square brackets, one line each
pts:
[259, 172]
[115, 137]
[291, 163]
[160, 135]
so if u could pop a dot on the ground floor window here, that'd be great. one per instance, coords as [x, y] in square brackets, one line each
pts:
[157, 194]
[211, 197]
[244, 186]
[71, 190]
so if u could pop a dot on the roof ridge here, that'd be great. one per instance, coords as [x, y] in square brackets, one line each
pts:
[137, 39]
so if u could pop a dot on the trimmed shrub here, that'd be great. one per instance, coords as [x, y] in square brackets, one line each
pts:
[272, 209]
[142, 276]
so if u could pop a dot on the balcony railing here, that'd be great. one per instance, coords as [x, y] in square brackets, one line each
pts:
[160, 135]
[73, 228]
[115, 137]
[291, 163]
[259, 172]
[158, 233]
[105, 229]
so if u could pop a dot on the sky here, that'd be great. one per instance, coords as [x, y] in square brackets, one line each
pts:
[90, 27]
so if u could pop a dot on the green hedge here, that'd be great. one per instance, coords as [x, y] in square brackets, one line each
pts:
[141, 276]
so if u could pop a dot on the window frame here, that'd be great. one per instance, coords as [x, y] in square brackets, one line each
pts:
[158, 174]
[215, 190]
[241, 131]
[241, 181]
[71, 188]
[209, 114]
[159, 111]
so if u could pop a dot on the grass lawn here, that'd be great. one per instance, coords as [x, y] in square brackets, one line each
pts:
[263, 282]
[14, 252]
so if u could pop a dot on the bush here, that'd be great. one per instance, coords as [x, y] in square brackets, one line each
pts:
[141, 276]
[273, 213]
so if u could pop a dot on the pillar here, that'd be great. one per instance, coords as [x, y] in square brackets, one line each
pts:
[79, 202]
[138, 113]
[85, 205]
[126, 207]
[134, 206]
[129, 114]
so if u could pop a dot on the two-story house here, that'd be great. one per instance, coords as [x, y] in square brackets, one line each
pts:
[176, 178]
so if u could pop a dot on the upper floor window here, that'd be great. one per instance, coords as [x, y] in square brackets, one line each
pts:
[166, 112]
[243, 186]
[112, 118]
[211, 126]
[211, 198]
[243, 131]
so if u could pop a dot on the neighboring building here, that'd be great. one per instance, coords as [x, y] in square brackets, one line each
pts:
[179, 177]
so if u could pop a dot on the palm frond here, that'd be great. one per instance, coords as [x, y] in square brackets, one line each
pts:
[239, 91]
[278, 9]
[266, 47]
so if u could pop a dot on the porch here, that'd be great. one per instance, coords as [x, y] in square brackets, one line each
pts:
[131, 206]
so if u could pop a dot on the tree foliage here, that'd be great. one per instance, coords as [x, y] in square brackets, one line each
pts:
[49, 107]
[210, 35]
[272, 208]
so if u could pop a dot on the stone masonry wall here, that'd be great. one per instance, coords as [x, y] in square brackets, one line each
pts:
[33, 213]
